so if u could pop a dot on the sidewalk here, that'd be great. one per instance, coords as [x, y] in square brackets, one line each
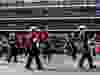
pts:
[59, 63]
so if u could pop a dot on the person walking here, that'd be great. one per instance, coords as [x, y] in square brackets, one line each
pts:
[86, 51]
[33, 53]
[13, 50]
[70, 47]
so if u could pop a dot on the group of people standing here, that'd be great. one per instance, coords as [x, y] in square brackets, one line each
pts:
[30, 52]
[34, 52]
[80, 46]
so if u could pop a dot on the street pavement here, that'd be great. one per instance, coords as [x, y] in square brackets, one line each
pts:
[59, 63]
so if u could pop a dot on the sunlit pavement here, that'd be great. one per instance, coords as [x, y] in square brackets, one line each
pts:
[59, 63]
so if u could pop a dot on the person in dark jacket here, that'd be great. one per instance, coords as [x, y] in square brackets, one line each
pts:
[75, 44]
[86, 54]
[72, 49]
[12, 53]
[13, 50]
[34, 53]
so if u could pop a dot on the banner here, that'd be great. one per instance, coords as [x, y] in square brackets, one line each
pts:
[24, 39]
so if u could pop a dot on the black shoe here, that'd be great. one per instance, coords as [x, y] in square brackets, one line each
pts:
[74, 58]
[28, 68]
[9, 61]
[93, 67]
